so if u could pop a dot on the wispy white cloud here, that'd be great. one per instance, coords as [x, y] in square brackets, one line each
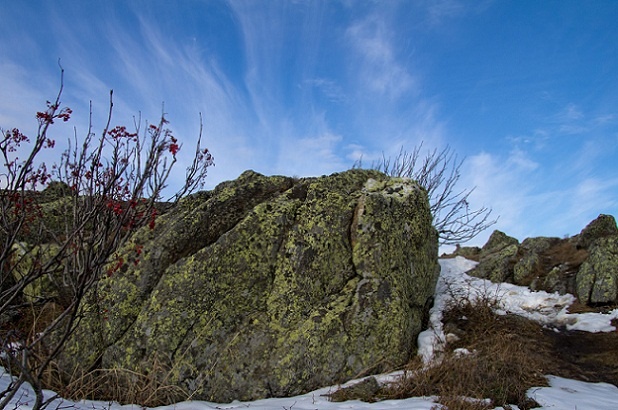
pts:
[380, 69]
[314, 155]
[329, 88]
[21, 97]
[439, 10]
[589, 153]
[604, 119]
[367, 94]
[535, 198]
[522, 161]
[528, 197]
[536, 140]
[151, 68]
[574, 205]
[280, 46]
[441, 13]
[594, 194]
[572, 119]
[572, 129]
[263, 36]
[555, 179]
[571, 113]
[498, 183]
[385, 87]
[389, 133]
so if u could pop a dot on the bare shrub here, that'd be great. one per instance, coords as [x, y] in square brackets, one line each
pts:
[60, 226]
[439, 172]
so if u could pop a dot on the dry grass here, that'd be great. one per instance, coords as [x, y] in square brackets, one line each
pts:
[365, 391]
[120, 385]
[506, 358]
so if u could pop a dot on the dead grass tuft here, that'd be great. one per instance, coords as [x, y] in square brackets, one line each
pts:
[365, 390]
[501, 362]
[124, 386]
[493, 361]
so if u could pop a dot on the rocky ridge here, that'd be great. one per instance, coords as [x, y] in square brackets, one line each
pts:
[585, 265]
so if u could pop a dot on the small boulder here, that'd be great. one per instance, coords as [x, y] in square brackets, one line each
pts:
[469, 252]
[497, 258]
[602, 226]
[597, 278]
[497, 242]
[365, 390]
[530, 263]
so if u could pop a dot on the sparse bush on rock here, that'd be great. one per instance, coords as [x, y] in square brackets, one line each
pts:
[439, 172]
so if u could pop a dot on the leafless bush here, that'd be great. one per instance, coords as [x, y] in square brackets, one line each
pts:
[56, 242]
[439, 172]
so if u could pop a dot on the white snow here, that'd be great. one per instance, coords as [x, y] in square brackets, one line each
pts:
[549, 309]
[570, 394]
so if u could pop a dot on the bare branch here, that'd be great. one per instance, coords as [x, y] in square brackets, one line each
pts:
[439, 172]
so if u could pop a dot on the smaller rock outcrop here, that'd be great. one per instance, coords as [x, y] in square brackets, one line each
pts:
[497, 258]
[602, 227]
[598, 275]
[585, 265]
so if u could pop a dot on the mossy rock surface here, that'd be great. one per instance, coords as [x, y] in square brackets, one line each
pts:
[268, 286]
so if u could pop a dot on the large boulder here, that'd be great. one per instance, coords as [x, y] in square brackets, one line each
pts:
[267, 286]
[585, 265]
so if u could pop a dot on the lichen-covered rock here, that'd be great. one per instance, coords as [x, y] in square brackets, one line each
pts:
[530, 264]
[43, 286]
[496, 258]
[469, 252]
[585, 265]
[602, 226]
[497, 267]
[268, 286]
[497, 242]
[597, 279]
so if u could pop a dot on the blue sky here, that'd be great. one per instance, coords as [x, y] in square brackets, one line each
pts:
[526, 91]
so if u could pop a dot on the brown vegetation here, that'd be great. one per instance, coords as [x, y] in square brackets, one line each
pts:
[504, 356]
